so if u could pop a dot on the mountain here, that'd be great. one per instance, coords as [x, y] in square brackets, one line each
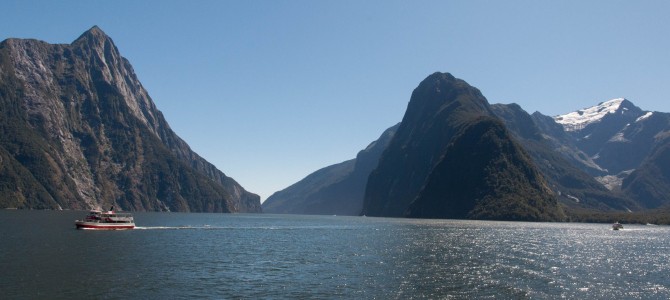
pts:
[650, 182]
[626, 143]
[562, 164]
[455, 156]
[600, 132]
[563, 143]
[78, 131]
[452, 158]
[438, 107]
[485, 174]
[579, 120]
[333, 190]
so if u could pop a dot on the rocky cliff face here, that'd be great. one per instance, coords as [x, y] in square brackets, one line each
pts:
[650, 183]
[80, 131]
[452, 158]
[617, 143]
[333, 190]
[485, 174]
[437, 109]
[561, 162]
[600, 132]
[447, 144]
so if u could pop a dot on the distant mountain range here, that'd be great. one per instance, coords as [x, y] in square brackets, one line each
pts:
[333, 190]
[455, 156]
[78, 131]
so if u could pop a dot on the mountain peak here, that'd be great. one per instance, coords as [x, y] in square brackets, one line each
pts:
[444, 93]
[93, 34]
[95, 29]
[82, 110]
[579, 119]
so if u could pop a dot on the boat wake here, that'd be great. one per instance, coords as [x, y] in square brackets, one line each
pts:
[209, 227]
[174, 227]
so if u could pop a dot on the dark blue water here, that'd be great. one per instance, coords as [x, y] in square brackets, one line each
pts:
[173, 256]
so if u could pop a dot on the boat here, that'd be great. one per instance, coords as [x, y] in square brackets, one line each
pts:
[106, 220]
[617, 226]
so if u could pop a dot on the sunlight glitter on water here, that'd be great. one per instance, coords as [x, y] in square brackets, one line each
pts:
[277, 256]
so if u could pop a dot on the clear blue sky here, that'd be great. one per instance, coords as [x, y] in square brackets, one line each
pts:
[270, 91]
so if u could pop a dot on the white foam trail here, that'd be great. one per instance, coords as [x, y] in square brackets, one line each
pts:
[209, 227]
[169, 227]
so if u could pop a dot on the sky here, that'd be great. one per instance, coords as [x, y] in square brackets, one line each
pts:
[270, 91]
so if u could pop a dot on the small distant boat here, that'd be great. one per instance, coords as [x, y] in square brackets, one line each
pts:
[106, 220]
[617, 226]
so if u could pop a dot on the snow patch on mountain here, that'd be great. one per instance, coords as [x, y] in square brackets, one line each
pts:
[645, 116]
[577, 120]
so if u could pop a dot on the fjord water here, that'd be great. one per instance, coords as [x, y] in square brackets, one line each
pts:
[177, 255]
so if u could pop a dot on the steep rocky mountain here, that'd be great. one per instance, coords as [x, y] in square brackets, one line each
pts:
[563, 165]
[451, 157]
[449, 143]
[485, 174]
[560, 141]
[602, 132]
[78, 131]
[620, 140]
[333, 190]
[650, 182]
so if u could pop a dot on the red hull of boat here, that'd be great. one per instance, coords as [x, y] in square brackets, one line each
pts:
[104, 227]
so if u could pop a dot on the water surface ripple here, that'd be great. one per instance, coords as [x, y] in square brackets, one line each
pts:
[176, 256]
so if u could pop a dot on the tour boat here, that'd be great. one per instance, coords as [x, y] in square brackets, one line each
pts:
[106, 220]
[617, 226]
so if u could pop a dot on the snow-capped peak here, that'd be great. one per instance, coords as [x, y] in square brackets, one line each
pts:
[577, 120]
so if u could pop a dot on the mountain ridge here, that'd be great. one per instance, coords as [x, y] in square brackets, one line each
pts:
[334, 190]
[495, 179]
[587, 183]
[78, 130]
[410, 177]
[98, 129]
[619, 139]
[577, 120]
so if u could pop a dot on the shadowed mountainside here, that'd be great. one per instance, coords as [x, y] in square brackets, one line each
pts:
[451, 158]
[78, 131]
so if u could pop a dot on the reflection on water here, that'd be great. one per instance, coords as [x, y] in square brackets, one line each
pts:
[173, 255]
